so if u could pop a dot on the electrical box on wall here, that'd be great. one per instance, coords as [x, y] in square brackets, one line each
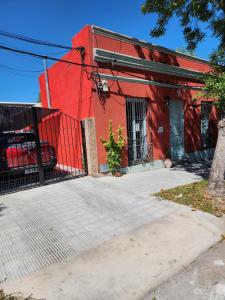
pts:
[160, 129]
[105, 86]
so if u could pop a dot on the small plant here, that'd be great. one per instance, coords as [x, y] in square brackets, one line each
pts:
[14, 296]
[114, 148]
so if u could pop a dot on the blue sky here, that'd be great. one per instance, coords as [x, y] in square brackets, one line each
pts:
[57, 21]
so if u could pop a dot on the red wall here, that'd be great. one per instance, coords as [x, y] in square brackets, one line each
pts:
[70, 91]
[158, 115]
[69, 86]
[64, 134]
[75, 94]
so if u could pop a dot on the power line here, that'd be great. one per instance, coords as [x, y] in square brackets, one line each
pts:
[20, 70]
[64, 61]
[48, 57]
[17, 74]
[37, 55]
[45, 53]
[35, 41]
[25, 58]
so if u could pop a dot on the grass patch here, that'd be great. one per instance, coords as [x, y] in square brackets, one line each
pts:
[195, 196]
[14, 296]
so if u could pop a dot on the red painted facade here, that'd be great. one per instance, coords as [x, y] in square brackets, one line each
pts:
[73, 91]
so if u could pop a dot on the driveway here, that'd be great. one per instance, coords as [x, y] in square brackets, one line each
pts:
[45, 225]
[50, 224]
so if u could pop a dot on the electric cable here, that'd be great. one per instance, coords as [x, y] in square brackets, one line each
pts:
[20, 70]
[64, 60]
[35, 41]
[18, 74]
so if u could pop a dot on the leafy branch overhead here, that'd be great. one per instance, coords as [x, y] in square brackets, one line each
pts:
[190, 13]
[215, 82]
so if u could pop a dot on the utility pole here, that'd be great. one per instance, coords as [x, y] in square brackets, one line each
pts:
[47, 83]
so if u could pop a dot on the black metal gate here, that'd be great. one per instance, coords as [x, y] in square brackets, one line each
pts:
[39, 146]
[136, 131]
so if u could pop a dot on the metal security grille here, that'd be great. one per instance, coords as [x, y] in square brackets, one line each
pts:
[136, 131]
[38, 146]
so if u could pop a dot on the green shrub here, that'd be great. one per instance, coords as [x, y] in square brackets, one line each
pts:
[114, 148]
[14, 296]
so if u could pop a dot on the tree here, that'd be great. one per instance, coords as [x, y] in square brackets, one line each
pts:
[191, 14]
[185, 51]
[215, 88]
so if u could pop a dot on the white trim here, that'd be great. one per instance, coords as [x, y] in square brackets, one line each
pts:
[118, 59]
[17, 103]
[147, 82]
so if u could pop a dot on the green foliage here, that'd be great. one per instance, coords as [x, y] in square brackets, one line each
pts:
[217, 59]
[194, 195]
[14, 296]
[215, 88]
[186, 51]
[215, 82]
[114, 148]
[190, 13]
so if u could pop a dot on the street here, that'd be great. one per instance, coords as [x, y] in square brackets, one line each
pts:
[204, 279]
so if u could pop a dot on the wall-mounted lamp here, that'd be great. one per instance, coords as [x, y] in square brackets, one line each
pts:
[167, 101]
[194, 104]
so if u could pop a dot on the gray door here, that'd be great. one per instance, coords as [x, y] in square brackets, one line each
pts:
[205, 114]
[176, 129]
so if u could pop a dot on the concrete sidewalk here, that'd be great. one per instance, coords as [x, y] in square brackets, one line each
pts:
[129, 266]
[100, 238]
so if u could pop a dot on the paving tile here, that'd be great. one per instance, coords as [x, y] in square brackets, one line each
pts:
[64, 219]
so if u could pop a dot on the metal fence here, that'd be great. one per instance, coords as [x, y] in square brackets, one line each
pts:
[39, 146]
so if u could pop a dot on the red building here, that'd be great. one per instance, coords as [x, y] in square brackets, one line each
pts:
[149, 90]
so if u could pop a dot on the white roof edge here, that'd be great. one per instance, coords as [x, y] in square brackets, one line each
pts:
[17, 103]
[148, 44]
[138, 58]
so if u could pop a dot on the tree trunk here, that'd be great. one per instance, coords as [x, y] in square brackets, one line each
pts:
[216, 186]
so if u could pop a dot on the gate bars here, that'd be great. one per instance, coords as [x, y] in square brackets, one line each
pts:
[139, 145]
[39, 146]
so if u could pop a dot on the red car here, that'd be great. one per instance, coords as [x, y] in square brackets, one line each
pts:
[18, 153]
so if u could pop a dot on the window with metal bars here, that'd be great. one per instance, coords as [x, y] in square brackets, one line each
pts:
[136, 130]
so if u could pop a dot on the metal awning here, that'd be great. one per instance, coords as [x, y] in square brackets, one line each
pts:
[122, 60]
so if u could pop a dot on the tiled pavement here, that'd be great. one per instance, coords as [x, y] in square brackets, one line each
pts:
[45, 225]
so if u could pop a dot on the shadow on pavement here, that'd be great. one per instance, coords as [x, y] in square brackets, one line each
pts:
[200, 168]
[2, 207]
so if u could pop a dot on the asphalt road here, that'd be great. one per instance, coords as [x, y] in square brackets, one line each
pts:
[204, 279]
